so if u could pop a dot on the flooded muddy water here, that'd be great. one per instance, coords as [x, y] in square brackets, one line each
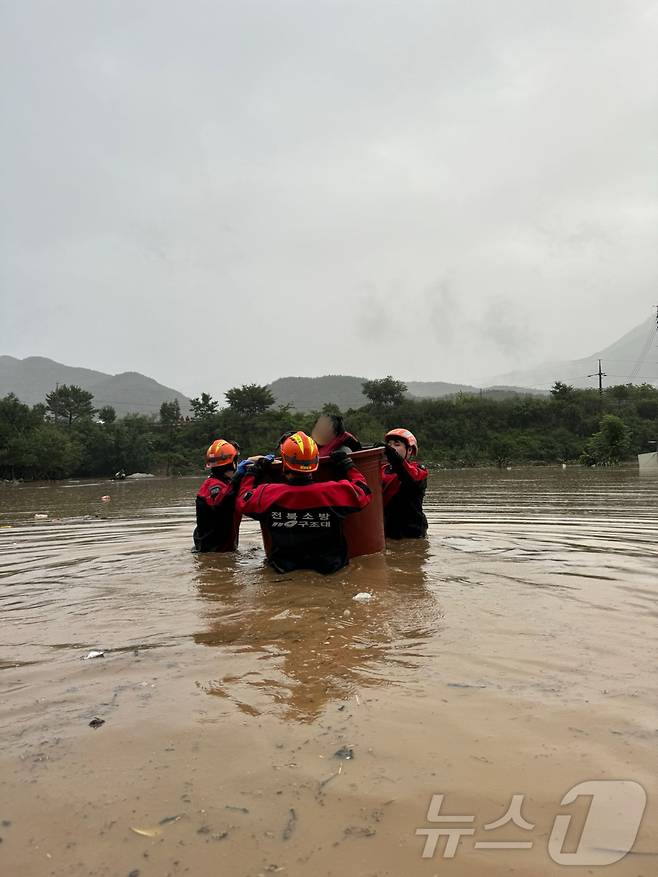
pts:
[513, 653]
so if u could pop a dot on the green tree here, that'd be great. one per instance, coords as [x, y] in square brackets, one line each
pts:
[610, 444]
[170, 413]
[647, 409]
[17, 423]
[168, 445]
[561, 392]
[70, 403]
[53, 452]
[133, 444]
[502, 450]
[107, 414]
[204, 406]
[249, 399]
[385, 392]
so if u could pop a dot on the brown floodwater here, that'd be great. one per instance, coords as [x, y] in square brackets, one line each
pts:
[512, 653]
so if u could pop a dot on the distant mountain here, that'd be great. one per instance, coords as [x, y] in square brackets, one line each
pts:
[31, 378]
[633, 358]
[310, 394]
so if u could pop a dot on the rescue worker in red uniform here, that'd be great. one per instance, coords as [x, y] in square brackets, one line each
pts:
[217, 521]
[403, 487]
[330, 435]
[303, 517]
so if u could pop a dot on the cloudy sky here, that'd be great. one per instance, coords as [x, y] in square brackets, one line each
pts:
[220, 192]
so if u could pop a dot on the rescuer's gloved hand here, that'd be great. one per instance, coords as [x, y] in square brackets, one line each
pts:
[258, 467]
[260, 463]
[392, 455]
[341, 462]
[242, 467]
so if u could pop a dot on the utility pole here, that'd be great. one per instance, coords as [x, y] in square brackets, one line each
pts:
[600, 374]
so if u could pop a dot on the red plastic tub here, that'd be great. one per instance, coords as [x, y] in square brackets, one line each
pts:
[364, 530]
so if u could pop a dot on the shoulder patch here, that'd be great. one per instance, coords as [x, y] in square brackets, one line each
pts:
[247, 494]
[214, 491]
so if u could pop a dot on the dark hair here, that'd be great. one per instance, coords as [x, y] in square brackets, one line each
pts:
[284, 436]
[337, 423]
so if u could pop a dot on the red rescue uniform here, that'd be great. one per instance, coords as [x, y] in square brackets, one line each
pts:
[403, 488]
[217, 519]
[344, 440]
[304, 518]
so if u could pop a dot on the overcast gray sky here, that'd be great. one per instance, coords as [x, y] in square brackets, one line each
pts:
[218, 192]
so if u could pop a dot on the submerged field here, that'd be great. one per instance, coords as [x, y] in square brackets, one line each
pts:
[513, 653]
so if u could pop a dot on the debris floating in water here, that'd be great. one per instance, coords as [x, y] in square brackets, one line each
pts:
[290, 825]
[362, 597]
[359, 831]
[344, 752]
[94, 653]
[40, 517]
[169, 819]
[96, 722]
[146, 832]
[106, 498]
[464, 685]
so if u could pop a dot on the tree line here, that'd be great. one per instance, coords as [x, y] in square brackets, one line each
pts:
[67, 436]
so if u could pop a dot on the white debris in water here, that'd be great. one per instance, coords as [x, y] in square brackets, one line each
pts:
[40, 517]
[282, 616]
[362, 597]
[95, 653]
[140, 475]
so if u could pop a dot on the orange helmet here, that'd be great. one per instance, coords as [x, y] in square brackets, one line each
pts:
[221, 453]
[300, 453]
[406, 436]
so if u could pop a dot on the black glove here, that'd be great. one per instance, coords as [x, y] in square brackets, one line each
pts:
[341, 462]
[392, 456]
[258, 468]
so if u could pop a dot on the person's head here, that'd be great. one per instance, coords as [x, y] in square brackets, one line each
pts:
[222, 457]
[282, 439]
[299, 455]
[326, 428]
[403, 442]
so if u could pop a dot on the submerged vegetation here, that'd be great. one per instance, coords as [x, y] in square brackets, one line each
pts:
[66, 436]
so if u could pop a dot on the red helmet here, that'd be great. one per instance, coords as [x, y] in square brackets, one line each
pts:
[300, 453]
[221, 453]
[406, 436]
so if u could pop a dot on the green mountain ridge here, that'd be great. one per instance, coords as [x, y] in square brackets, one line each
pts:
[345, 391]
[129, 392]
